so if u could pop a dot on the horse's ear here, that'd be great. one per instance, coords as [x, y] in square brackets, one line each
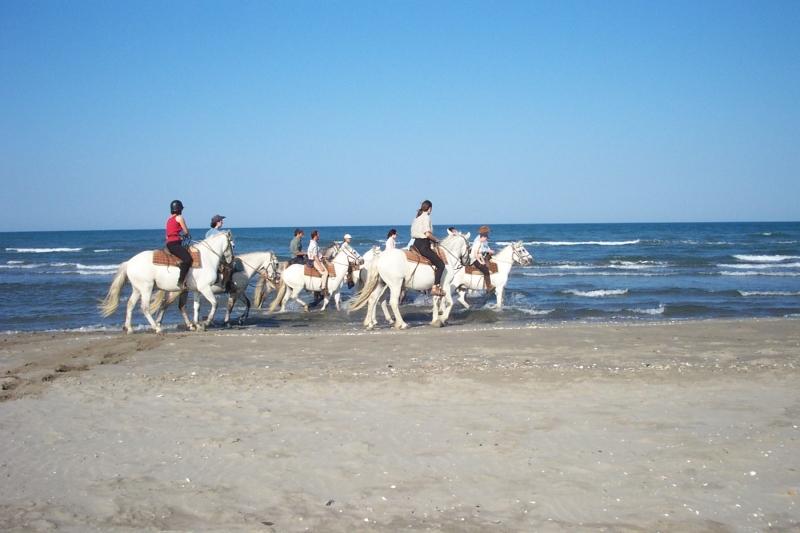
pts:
[467, 235]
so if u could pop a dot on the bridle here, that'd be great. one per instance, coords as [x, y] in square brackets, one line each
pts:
[224, 261]
[464, 259]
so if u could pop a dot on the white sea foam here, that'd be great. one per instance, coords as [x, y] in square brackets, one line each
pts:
[20, 264]
[765, 258]
[608, 274]
[42, 250]
[582, 243]
[768, 293]
[597, 293]
[534, 312]
[637, 265]
[756, 273]
[657, 311]
[106, 250]
[96, 267]
[760, 266]
[14, 262]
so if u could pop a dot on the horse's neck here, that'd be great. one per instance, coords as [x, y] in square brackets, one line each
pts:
[453, 256]
[505, 259]
[213, 250]
[253, 261]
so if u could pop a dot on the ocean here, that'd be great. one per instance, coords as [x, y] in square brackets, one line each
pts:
[52, 281]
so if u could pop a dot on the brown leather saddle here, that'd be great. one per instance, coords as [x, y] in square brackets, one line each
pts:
[164, 258]
[314, 273]
[472, 270]
[413, 256]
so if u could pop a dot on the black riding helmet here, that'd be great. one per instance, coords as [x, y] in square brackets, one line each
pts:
[175, 207]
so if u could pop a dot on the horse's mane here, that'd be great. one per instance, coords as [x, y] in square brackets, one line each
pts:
[450, 238]
[330, 251]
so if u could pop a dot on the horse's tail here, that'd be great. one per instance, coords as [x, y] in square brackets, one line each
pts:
[278, 297]
[155, 301]
[258, 294]
[111, 301]
[361, 298]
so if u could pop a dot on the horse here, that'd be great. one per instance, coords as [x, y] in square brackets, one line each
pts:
[294, 280]
[393, 269]
[263, 263]
[144, 275]
[505, 258]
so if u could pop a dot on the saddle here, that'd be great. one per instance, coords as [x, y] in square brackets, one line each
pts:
[314, 273]
[164, 258]
[413, 256]
[472, 270]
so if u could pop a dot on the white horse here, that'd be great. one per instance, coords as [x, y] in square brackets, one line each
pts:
[505, 258]
[294, 280]
[263, 263]
[391, 268]
[144, 275]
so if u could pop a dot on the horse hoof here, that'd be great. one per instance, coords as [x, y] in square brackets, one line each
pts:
[401, 326]
[436, 323]
[159, 331]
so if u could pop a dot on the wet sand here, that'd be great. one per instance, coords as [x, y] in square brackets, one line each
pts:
[672, 427]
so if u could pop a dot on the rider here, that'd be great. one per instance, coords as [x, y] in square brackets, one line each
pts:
[175, 225]
[216, 225]
[391, 237]
[422, 233]
[296, 248]
[315, 261]
[481, 253]
[227, 273]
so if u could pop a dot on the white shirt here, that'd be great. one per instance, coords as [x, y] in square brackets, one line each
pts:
[390, 244]
[479, 248]
[313, 250]
[420, 226]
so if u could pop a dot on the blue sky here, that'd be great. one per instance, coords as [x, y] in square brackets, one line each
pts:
[352, 113]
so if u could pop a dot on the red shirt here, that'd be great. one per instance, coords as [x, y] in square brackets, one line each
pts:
[173, 229]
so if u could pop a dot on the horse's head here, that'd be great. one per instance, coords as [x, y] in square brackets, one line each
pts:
[270, 266]
[227, 251]
[330, 251]
[457, 245]
[520, 254]
[353, 257]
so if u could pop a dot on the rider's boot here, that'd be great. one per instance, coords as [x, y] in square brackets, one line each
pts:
[436, 290]
[487, 281]
[324, 283]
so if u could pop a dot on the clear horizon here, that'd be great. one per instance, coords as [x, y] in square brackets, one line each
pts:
[287, 114]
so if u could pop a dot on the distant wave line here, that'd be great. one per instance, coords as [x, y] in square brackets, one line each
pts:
[42, 250]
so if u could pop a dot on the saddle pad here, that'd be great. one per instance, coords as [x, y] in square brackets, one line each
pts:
[414, 257]
[314, 273]
[472, 270]
[162, 258]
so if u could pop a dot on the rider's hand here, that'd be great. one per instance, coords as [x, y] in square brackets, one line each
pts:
[188, 237]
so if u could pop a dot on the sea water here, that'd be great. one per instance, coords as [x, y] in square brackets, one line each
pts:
[599, 272]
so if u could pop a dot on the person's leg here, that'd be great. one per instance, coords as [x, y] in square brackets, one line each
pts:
[424, 247]
[487, 280]
[186, 259]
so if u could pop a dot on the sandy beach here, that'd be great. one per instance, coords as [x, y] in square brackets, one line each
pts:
[619, 427]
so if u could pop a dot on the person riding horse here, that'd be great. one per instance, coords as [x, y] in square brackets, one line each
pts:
[422, 233]
[175, 225]
[226, 271]
[481, 253]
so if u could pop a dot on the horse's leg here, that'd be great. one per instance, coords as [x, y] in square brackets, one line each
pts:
[196, 306]
[129, 310]
[232, 297]
[208, 293]
[435, 322]
[499, 293]
[295, 295]
[145, 305]
[246, 300]
[183, 297]
[337, 299]
[462, 296]
[395, 290]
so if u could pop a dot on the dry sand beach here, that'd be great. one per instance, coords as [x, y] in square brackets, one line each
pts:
[673, 427]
